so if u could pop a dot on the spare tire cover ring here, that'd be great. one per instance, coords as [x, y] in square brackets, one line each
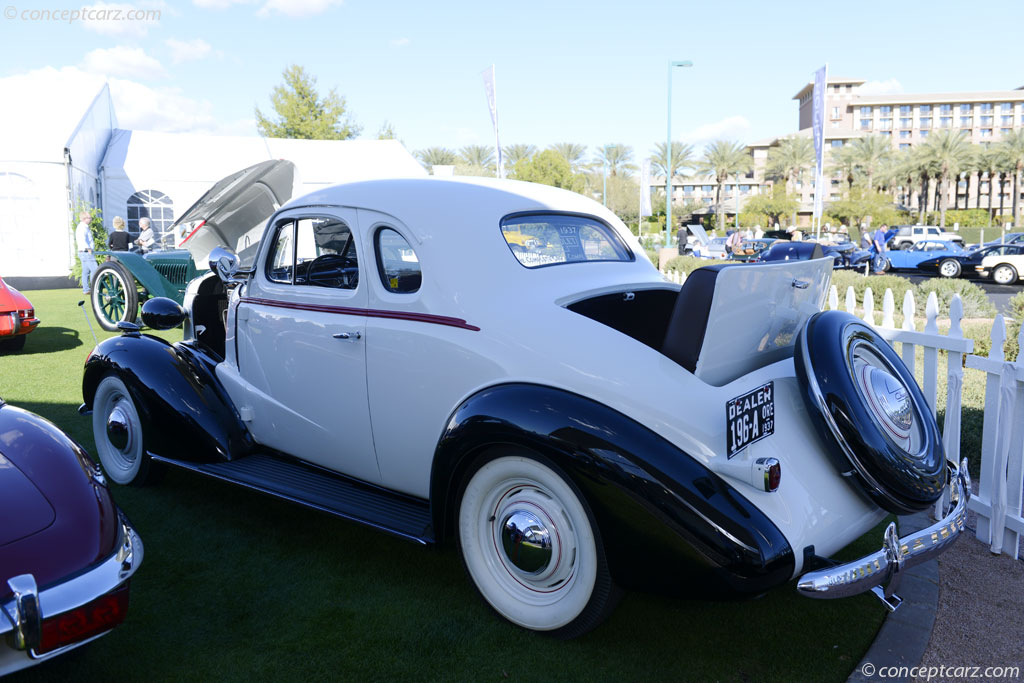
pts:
[869, 409]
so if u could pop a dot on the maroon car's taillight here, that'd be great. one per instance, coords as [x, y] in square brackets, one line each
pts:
[82, 623]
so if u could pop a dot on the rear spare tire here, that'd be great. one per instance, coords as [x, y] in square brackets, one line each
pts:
[870, 411]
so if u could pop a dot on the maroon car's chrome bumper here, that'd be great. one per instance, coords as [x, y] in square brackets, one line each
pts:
[25, 614]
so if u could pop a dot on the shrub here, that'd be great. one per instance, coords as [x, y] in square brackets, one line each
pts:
[976, 302]
[688, 264]
[843, 279]
[1013, 326]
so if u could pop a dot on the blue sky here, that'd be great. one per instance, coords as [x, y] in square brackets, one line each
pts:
[591, 73]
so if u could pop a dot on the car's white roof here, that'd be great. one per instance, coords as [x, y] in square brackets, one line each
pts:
[415, 201]
[456, 221]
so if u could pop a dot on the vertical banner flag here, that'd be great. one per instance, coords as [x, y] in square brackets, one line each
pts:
[818, 122]
[645, 188]
[492, 103]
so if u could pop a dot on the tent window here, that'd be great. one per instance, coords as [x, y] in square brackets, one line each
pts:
[155, 205]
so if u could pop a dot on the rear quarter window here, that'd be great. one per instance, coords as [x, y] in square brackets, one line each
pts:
[538, 240]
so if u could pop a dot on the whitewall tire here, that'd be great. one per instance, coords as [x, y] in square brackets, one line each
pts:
[531, 547]
[117, 430]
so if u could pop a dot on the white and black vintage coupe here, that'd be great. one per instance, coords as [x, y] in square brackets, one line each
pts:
[498, 363]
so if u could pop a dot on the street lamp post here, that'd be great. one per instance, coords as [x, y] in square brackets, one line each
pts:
[668, 157]
[736, 190]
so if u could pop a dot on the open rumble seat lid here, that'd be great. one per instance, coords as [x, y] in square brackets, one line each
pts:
[234, 211]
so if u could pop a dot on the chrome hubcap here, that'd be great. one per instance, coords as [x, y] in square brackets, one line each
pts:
[889, 402]
[526, 542]
[119, 432]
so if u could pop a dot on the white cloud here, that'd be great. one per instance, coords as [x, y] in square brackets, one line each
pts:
[729, 128]
[188, 50]
[111, 19]
[297, 8]
[889, 87]
[399, 42]
[138, 106]
[123, 61]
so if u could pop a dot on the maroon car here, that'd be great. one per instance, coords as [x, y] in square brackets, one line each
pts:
[66, 551]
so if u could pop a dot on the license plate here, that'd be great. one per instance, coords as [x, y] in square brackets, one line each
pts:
[749, 418]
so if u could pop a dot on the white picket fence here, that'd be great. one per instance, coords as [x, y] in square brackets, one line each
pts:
[998, 502]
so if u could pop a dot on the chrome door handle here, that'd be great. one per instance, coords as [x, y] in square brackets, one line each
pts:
[348, 335]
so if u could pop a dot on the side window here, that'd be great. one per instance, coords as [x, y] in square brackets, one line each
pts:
[279, 265]
[317, 252]
[397, 263]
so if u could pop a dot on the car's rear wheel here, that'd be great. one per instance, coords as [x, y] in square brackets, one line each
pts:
[1004, 274]
[949, 268]
[530, 544]
[13, 344]
[114, 296]
[117, 429]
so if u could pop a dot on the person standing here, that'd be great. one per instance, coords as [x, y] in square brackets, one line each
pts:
[86, 250]
[120, 238]
[878, 242]
[146, 236]
[733, 242]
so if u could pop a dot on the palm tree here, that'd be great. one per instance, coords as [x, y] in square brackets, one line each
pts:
[870, 153]
[515, 153]
[723, 158]
[844, 162]
[949, 152]
[793, 156]
[436, 156]
[1012, 147]
[682, 157]
[617, 158]
[478, 157]
[572, 152]
[990, 162]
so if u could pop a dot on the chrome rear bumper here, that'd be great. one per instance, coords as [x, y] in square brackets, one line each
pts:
[880, 572]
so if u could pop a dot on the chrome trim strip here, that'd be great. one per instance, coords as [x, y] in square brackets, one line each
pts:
[897, 555]
[100, 580]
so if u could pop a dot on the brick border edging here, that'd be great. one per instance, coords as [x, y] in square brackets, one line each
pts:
[903, 638]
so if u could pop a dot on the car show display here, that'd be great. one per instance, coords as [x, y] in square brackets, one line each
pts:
[1004, 264]
[66, 550]
[515, 376]
[943, 252]
[17, 318]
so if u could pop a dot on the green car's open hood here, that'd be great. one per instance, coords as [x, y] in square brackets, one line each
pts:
[235, 210]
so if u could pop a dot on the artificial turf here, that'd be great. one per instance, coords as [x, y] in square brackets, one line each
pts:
[237, 586]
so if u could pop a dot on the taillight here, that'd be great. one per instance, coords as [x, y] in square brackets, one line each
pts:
[82, 623]
[768, 473]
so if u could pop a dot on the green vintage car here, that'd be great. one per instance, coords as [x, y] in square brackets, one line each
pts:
[127, 278]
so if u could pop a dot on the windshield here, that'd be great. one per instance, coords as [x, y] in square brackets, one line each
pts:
[550, 239]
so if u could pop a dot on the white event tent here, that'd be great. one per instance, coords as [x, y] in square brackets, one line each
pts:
[56, 156]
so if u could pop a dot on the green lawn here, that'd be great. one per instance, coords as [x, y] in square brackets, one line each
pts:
[237, 586]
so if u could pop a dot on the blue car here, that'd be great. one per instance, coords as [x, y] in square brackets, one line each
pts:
[925, 250]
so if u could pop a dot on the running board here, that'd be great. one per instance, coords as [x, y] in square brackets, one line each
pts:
[394, 513]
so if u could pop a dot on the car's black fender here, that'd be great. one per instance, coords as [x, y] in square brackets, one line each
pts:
[668, 523]
[185, 412]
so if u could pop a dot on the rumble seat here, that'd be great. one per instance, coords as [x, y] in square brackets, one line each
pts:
[689, 320]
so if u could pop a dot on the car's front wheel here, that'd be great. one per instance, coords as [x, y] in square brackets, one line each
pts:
[117, 430]
[949, 268]
[1004, 274]
[114, 296]
[531, 546]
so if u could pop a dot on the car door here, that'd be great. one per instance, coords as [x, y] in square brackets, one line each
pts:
[301, 335]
